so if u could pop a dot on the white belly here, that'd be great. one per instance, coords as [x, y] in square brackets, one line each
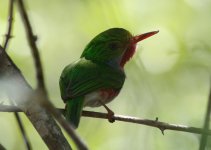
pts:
[94, 99]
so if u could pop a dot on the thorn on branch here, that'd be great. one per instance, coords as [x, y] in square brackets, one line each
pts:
[162, 130]
[10, 23]
[32, 43]
[38, 114]
[157, 124]
[10, 19]
[35, 38]
[8, 36]
[42, 92]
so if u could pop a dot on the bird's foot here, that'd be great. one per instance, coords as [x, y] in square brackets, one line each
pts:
[110, 114]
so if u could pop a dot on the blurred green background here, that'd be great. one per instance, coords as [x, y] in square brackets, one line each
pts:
[168, 78]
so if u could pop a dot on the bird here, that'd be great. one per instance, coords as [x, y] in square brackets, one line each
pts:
[98, 76]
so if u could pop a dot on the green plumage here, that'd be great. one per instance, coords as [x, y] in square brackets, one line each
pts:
[109, 45]
[98, 76]
[97, 69]
[73, 110]
[83, 77]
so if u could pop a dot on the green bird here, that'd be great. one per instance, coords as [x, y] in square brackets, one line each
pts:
[98, 76]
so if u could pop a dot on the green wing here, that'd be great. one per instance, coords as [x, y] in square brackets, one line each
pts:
[84, 76]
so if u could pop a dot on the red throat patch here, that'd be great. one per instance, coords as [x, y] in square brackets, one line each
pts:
[128, 54]
[131, 49]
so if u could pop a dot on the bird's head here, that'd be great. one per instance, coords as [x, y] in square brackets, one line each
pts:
[114, 46]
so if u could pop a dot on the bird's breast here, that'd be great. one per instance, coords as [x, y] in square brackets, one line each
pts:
[96, 98]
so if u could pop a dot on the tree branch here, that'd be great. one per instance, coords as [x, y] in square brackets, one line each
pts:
[32, 43]
[6, 43]
[41, 90]
[203, 141]
[2, 147]
[41, 120]
[10, 23]
[67, 126]
[23, 132]
[153, 123]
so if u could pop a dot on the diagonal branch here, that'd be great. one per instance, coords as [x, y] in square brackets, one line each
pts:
[2, 147]
[153, 123]
[6, 43]
[41, 90]
[10, 24]
[22, 129]
[203, 141]
[41, 120]
[32, 43]
[23, 132]
[68, 128]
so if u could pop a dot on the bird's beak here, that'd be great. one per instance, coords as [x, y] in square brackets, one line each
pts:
[143, 36]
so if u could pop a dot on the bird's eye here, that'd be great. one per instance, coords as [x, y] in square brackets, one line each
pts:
[114, 45]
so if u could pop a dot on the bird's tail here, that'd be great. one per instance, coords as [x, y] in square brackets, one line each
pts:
[73, 110]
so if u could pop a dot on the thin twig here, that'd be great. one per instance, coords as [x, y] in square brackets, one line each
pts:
[10, 23]
[23, 132]
[6, 43]
[25, 138]
[41, 90]
[67, 126]
[32, 42]
[203, 141]
[153, 123]
[43, 122]
[7, 108]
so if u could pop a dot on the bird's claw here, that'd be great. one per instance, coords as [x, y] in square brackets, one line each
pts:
[110, 116]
